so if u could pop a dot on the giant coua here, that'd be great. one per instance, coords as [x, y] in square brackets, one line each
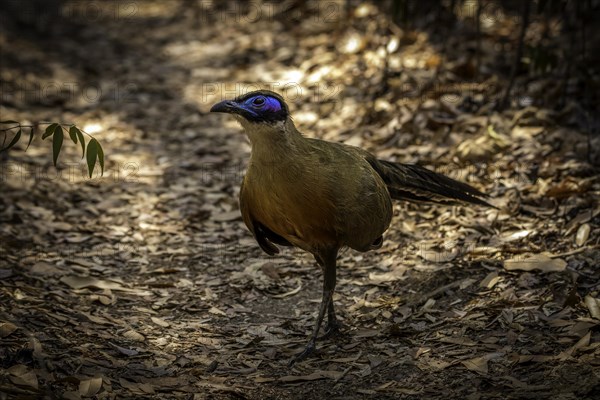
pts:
[321, 196]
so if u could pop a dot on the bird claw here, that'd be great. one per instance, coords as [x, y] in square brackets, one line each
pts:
[308, 350]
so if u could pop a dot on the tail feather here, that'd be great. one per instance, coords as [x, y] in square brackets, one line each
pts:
[414, 183]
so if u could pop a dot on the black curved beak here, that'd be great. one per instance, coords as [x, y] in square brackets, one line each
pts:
[226, 106]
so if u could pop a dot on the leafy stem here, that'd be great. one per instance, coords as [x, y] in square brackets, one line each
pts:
[56, 130]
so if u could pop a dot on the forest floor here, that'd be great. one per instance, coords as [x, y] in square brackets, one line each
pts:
[144, 282]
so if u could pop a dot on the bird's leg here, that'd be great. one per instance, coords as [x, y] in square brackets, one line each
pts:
[327, 262]
[333, 326]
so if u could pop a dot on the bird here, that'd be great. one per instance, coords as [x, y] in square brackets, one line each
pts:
[323, 196]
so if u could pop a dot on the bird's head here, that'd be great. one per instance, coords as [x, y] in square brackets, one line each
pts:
[258, 107]
[266, 119]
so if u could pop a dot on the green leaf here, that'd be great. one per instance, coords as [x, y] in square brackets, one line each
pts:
[100, 158]
[91, 154]
[30, 138]
[49, 131]
[82, 142]
[73, 133]
[57, 142]
[14, 141]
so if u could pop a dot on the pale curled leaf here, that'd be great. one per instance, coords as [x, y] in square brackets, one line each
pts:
[515, 235]
[394, 275]
[439, 256]
[133, 335]
[6, 328]
[160, 322]
[79, 282]
[216, 311]
[288, 294]
[89, 387]
[583, 233]
[541, 262]
[593, 306]
[227, 216]
[490, 280]
[27, 379]
[23, 376]
[584, 341]
[18, 369]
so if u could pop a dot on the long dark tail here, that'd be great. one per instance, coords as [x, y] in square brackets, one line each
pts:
[414, 183]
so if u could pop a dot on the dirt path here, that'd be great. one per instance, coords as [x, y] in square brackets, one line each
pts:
[145, 282]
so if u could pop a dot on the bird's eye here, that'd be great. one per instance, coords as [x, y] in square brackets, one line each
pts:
[258, 101]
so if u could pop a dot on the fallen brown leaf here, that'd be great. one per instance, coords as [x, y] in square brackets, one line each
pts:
[540, 262]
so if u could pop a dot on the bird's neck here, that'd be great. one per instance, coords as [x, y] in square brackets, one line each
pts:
[273, 142]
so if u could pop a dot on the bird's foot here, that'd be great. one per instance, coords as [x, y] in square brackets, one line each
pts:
[331, 329]
[308, 350]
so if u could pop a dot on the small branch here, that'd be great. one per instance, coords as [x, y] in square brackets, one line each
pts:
[63, 124]
[14, 127]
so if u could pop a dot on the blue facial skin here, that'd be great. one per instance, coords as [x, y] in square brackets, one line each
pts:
[262, 104]
[262, 108]
[258, 107]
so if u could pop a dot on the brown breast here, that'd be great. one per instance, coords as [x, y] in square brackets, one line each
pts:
[300, 210]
